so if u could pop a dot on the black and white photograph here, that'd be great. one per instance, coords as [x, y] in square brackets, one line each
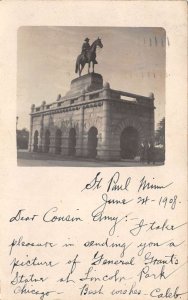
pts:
[91, 96]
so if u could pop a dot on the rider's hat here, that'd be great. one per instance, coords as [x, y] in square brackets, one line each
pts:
[86, 39]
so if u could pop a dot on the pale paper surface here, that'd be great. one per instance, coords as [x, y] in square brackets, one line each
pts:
[39, 189]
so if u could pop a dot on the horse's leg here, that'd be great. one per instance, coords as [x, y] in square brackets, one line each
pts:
[89, 67]
[81, 69]
[93, 67]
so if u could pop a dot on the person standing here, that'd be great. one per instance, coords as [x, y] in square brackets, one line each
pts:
[150, 153]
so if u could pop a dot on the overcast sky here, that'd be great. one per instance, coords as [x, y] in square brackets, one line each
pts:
[132, 60]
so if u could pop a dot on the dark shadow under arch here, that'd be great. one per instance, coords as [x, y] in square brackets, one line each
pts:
[58, 141]
[92, 142]
[72, 142]
[47, 141]
[36, 141]
[129, 143]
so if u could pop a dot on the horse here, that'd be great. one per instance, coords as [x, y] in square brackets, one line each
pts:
[90, 57]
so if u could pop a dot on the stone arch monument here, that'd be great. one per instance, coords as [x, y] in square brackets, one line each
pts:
[94, 121]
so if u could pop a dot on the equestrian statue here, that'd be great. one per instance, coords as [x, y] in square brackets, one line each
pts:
[87, 55]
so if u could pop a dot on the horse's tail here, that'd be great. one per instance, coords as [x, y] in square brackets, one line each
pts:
[76, 67]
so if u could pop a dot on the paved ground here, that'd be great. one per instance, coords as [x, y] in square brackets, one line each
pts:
[25, 158]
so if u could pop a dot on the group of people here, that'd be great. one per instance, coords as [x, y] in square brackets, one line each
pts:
[147, 152]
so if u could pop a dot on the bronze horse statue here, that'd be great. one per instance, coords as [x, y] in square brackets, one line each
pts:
[88, 58]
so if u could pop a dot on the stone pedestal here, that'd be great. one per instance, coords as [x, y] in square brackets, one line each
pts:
[89, 82]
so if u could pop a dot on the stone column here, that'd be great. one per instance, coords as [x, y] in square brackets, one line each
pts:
[52, 142]
[85, 144]
[107, 149]
[41, 133]
[105, 146]
[115, 151]
[79, 138]
[31, 138]
[65, 144]
[31, 135]
[43, 141]
[104, 142]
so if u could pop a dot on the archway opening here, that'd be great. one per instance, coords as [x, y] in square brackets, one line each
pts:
[129, 143]
[58, 141]
[47, 141]
[72, 142]
[92, 142]
[36, 140]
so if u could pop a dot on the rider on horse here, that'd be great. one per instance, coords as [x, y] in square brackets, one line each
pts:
[88, 55]
[85, 48]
